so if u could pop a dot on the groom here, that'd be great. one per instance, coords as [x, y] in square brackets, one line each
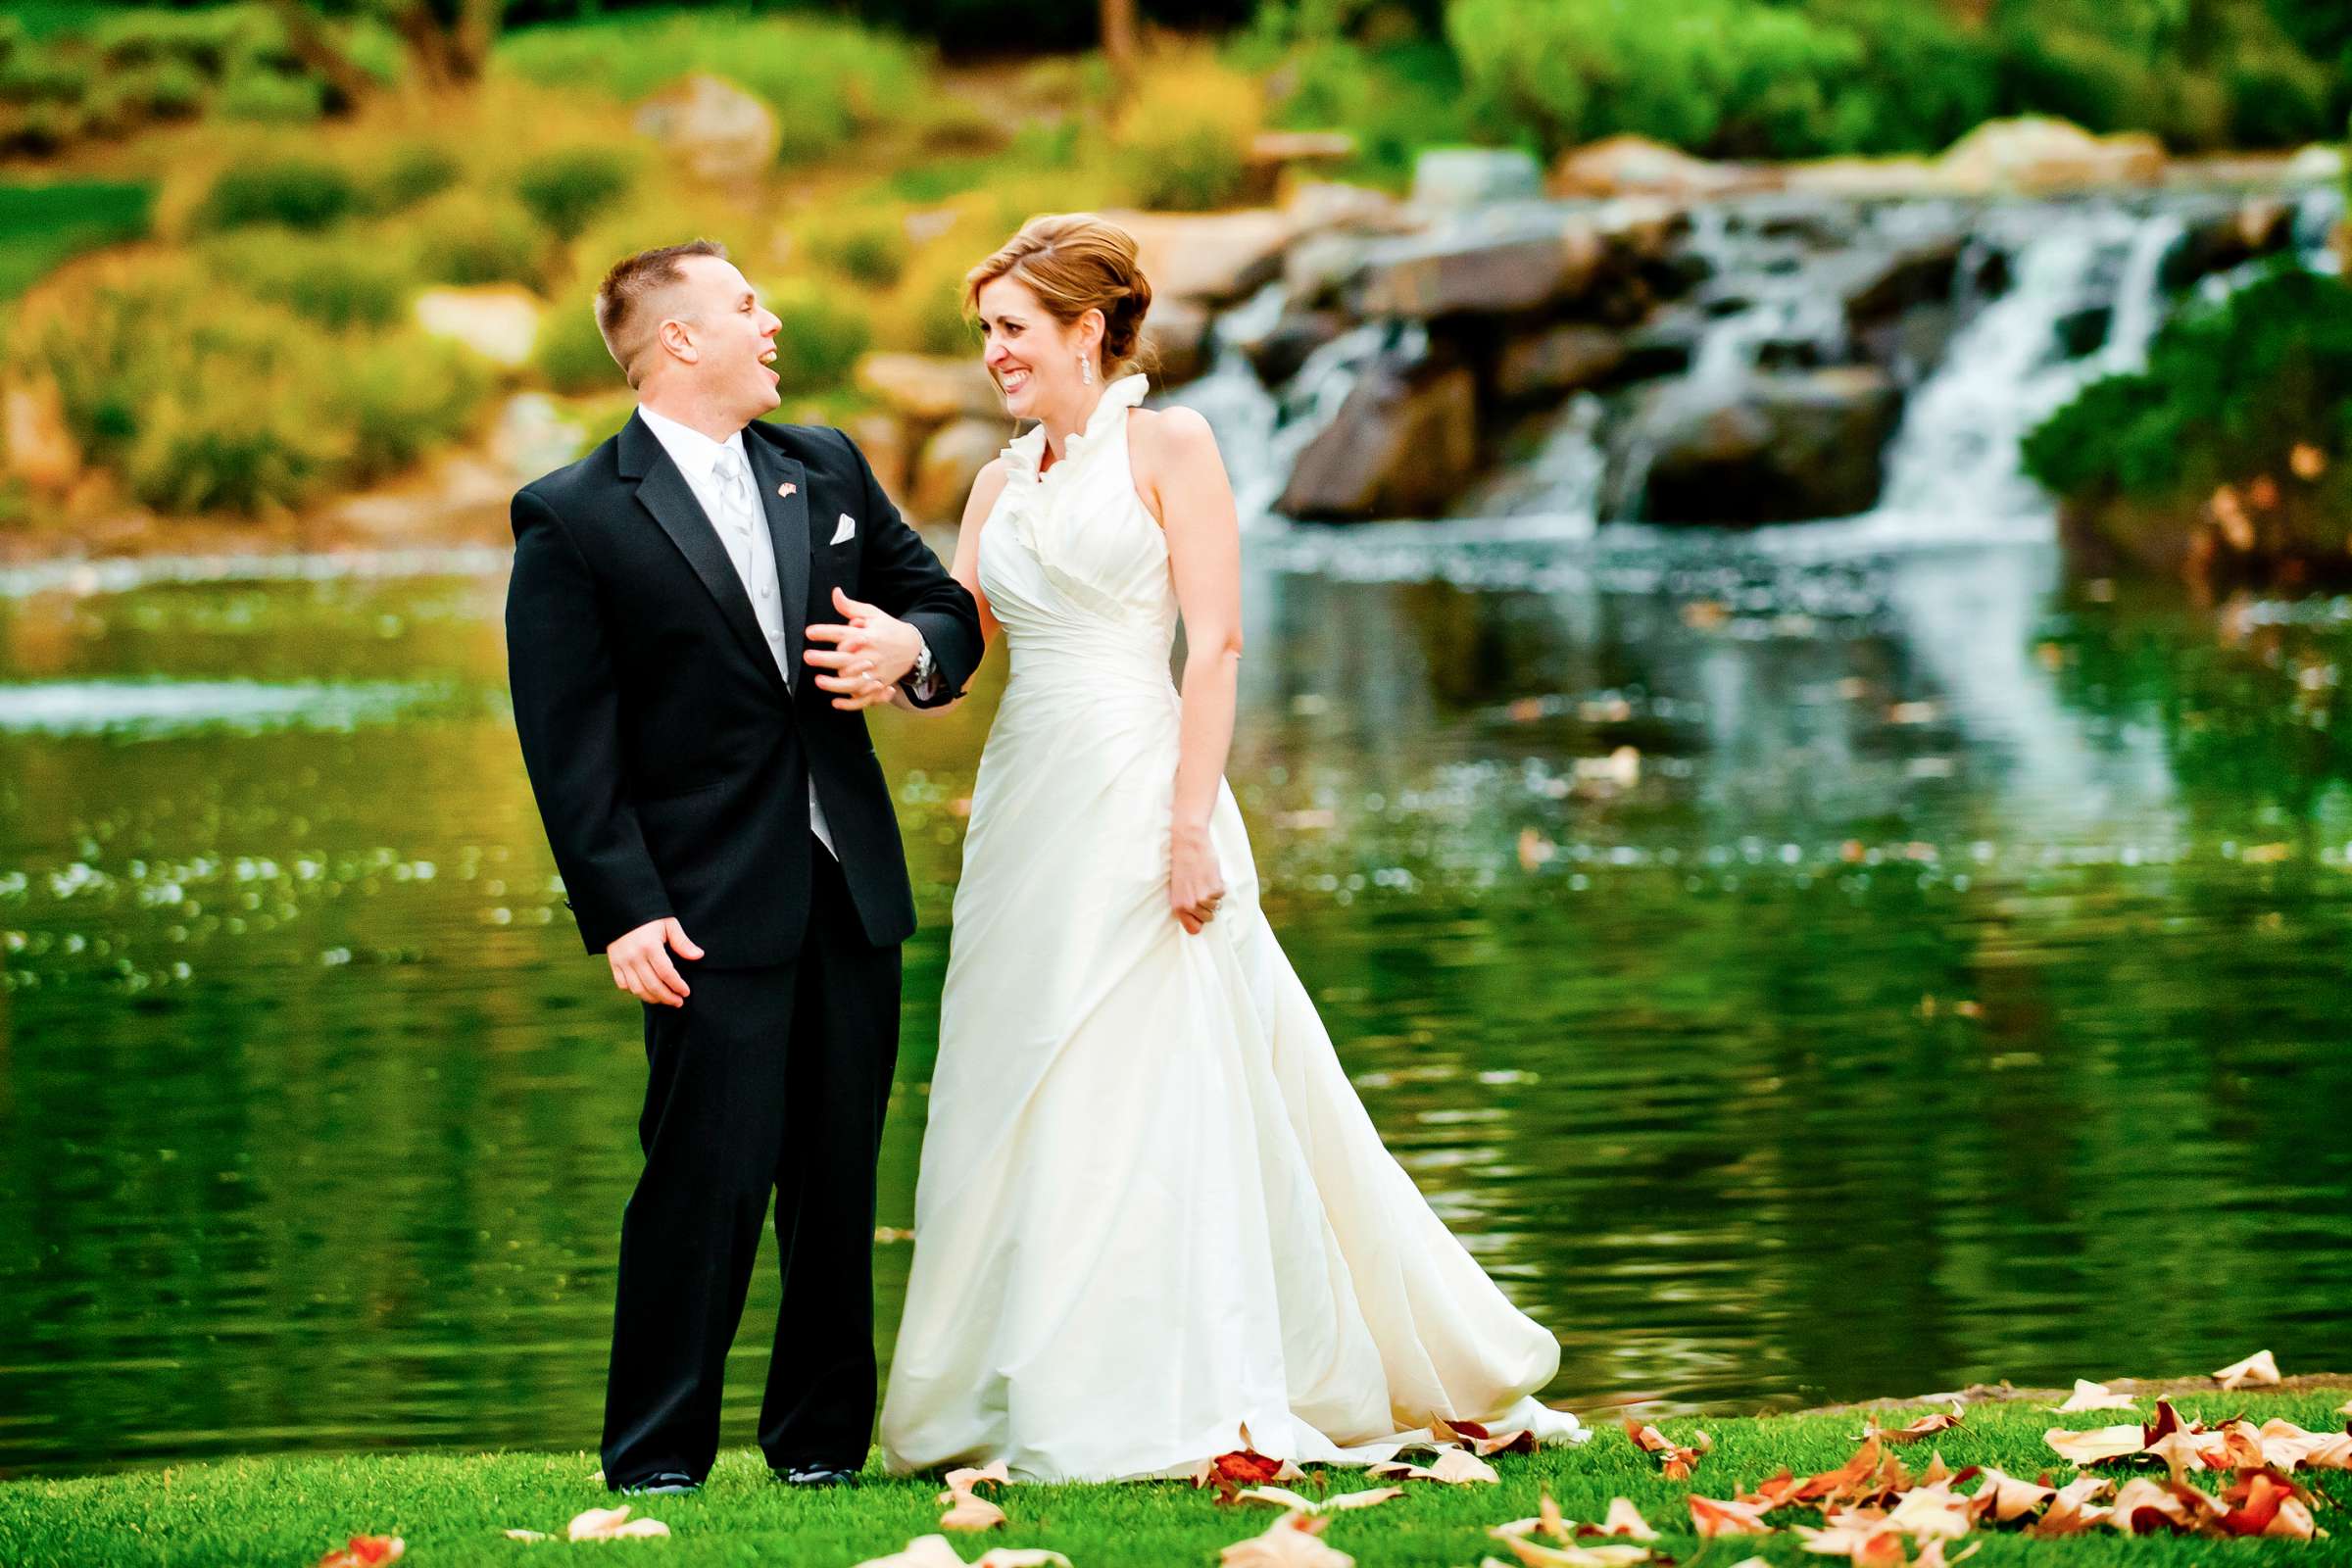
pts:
[701, 610]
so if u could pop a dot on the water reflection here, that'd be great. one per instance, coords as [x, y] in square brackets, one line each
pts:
[1797, 978]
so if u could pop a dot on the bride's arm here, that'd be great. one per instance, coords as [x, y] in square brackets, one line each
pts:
[1195, 501]
[989, 485]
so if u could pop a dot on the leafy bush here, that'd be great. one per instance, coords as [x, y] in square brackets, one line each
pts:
[466, 237]
[411, 174]
[40, 225]
[2229, 391]
[272, 97]
[567, 189]
[1719, 76]
[821, 338]
[1183, 140]
[1394, 101]
[333, 282]
[570, 356]
[296, 193]
[868, 248]
[396, 398]
[826, 80]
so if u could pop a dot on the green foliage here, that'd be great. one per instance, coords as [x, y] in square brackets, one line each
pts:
[272, 97]
[303, 193]
[411, 174]
[330, 282]
[567, 189]
[398, 397]
[1727, 77]
[41, 226]
[868, 247]
[826, 80]
[1394, 101]
[471, 236]
[2228, 390]
[1183, 140]
[569, 354]
[820, 340]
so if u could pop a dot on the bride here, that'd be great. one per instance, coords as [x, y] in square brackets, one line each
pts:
[1150, 1208]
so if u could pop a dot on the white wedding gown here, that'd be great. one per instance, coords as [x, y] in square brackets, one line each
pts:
[1151, 1207]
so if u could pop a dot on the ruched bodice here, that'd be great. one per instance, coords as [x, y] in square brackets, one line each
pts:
[1074, 566]
[1150, 1208]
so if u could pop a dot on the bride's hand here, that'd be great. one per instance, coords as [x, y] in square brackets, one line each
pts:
[1195, 886]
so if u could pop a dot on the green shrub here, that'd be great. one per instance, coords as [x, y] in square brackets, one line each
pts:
[2227, 392]
[1183, 140]
[398, 397]
[820, 340]
[410, 175]
[871, 248]
[466, 237]
[2275, 99]
[565, 189]
[827, 80]
[1393, 101]
[295, 193]
[570, 356]
[169, 89]
[272, 97]
[1716, 76]
[335, 282]
[41, 226]
[44, 77]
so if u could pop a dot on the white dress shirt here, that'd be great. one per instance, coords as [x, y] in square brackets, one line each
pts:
[733, 506]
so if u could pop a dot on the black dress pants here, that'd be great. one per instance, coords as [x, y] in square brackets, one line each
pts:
[765, 1078]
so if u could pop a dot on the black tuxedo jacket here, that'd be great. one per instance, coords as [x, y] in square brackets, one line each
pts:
[670, 761]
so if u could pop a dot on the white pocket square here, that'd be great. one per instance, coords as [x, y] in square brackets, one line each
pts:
[845, 528]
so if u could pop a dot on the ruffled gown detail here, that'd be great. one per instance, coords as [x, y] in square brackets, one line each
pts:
[1151, 1207]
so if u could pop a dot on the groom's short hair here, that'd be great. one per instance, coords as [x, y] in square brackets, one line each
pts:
[623, 314]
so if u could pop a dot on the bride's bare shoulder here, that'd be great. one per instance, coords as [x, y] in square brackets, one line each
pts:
[1168, 443]
[987, 485]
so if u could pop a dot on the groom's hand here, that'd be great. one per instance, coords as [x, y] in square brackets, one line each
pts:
[869, 656]
[641, 963]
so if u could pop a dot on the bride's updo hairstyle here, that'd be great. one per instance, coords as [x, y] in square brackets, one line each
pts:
[1074, 263]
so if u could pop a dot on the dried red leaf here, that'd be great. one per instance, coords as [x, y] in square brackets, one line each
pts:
[1714, 1516]
[1675, 1461]
[1926, 1426]
[364, 1551]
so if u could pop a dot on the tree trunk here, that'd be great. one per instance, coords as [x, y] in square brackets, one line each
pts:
[307, 37]
[1118, 39]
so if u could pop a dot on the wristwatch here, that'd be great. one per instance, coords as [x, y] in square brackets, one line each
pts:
[918, 679]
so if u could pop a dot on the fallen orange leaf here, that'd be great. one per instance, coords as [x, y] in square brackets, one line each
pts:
[2096, 1445]
[1717, 1516]
[2255, 1368]
[1295, 1541]
[1533, 1553]
[610, 1524]
[1622, 1519]
[2146, 1505]
[2006, 1497]
[1453, 1467]
[1925, 1426]
[923, 1551]
[1484, 1443]
[1674, 1460]
[1243, 1467]
[2072, 1510]
[364, 1551]
[2089, 1396]
[1285, 1497]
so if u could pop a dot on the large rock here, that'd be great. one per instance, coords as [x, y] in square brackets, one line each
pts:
[1629, 165]
[1177, 330]
[1277, 353]
[884, 438]
[1402, 445]
[1214, 257]
[1771, 449]
[35, 443]
[1456, 179]
[1323, 269]
[1322, 206]
[1530, 270]
[1566, 358]
[718, 130]
[500, 322]
[1876, 285]
[950, 462]
[927, 389]
[2035, 154]
[1275, 154]
[2259, 226]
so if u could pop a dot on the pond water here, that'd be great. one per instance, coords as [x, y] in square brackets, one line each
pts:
[1798, 973]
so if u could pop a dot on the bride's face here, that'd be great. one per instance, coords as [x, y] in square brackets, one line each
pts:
[1032, 355]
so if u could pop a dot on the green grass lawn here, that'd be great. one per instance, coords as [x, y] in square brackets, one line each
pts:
[42, 225]
[453, 1508]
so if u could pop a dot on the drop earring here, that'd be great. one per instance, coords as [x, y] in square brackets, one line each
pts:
[1086, 370]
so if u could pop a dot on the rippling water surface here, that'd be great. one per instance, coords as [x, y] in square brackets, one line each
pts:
[1798, 974]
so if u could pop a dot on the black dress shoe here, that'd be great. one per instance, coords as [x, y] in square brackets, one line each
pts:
[813, 1475]
[665, 1484]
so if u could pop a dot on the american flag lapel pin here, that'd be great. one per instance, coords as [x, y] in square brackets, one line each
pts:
[786, 489]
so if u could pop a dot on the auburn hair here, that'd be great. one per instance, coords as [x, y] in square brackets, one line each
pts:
[1075, 263]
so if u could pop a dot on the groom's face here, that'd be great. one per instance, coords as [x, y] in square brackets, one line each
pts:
[733, 336]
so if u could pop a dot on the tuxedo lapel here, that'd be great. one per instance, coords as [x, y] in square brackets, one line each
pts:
[663, 491]
[783, 486]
